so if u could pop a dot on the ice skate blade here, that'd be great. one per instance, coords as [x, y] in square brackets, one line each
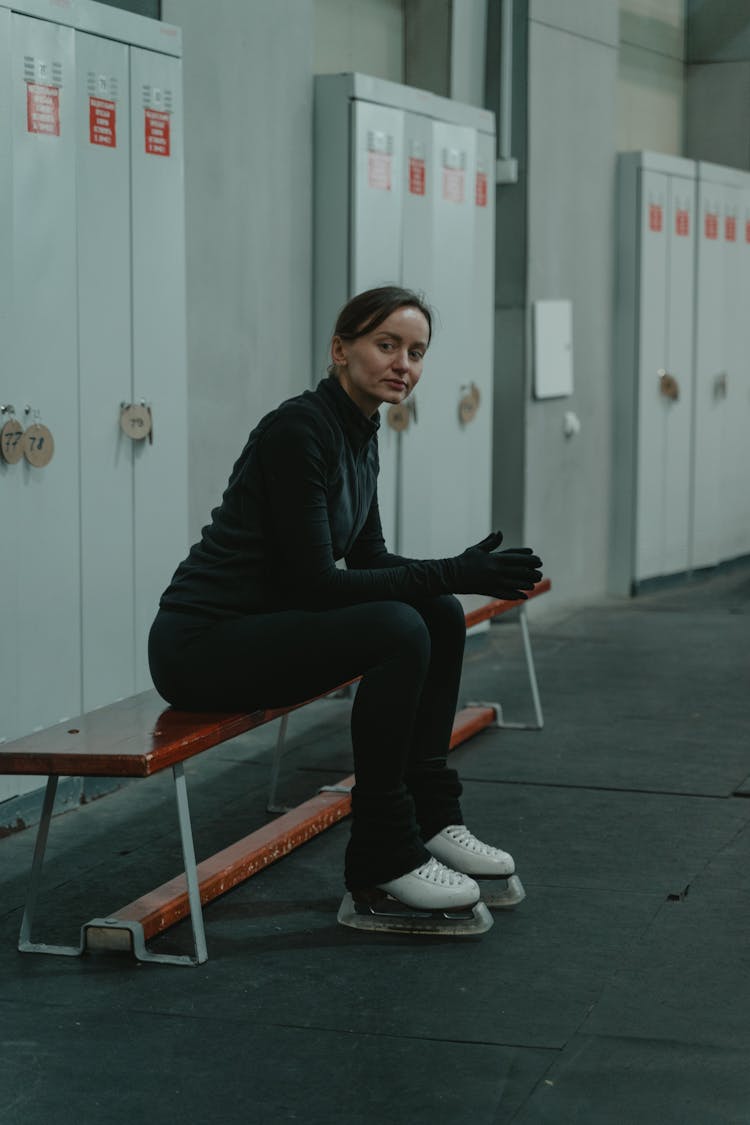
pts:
[390, 916]
[502, 892]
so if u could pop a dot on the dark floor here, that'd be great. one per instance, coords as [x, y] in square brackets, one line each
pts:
[619, 991]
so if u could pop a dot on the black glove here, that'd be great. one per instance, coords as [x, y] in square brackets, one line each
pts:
[505, 574]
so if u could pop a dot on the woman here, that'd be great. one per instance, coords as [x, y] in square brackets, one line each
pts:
[259, 615]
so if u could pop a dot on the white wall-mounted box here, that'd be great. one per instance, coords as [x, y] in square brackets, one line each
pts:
[553, 349]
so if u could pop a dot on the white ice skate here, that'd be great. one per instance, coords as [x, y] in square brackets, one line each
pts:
[458, 848]
[431, 899]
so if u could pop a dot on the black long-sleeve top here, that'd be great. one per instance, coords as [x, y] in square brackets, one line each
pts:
[302, 495]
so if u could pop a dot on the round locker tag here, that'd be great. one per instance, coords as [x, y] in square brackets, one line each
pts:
[469, 404]
[135, 421]
[38, 445]
[398, 417]
[11, 441]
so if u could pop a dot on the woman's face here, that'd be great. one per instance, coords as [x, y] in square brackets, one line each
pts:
[383, 365]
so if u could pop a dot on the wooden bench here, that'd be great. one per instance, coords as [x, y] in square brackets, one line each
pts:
[138, 737]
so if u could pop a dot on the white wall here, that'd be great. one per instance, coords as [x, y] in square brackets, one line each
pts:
[651, 76]
[360, 35]
[718, 83]
[572, 85]
[248, 163]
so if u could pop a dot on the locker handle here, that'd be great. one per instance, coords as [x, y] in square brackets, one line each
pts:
[469, 403]
[668, 385]
[721, 385]
[400, 416]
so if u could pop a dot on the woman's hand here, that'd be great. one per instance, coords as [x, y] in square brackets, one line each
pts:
[482, 569]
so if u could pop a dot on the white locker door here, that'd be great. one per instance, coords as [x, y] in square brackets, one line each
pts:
[742, 374]
[440, 480]
[710, 379]
[10, 475]
[375, 246]
[653, 408]
[44, 363]
[677, 413]
[735, 482]
[414, 525]
[475, 436]
[159, 360]
[104, 321]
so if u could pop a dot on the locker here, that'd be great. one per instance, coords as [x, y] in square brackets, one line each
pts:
[731, 477]
[435, 489]
[653, 384]
[735, 475]
[475, 436]
[43, 368]
[423, 229]
[375, 237]
[91, 316]
[720, 429]
[677, 424]
[105, 369]
[10, 479]
[414, 527]
[742, 376]
[159, 360]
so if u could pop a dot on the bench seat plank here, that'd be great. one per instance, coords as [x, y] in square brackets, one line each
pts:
[132, 738]
[135, 737]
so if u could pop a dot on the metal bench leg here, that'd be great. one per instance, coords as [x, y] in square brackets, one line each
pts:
[25, 944]
[117, 933]
[497, 707]
[272, 804]
[191, 873]
[532, 673]
[114, 933]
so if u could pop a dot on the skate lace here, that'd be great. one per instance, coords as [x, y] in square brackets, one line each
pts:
[436, 872]
[461, 835]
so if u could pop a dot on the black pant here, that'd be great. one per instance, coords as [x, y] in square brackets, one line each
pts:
[409, 657]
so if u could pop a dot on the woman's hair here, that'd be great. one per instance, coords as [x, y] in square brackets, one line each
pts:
[368, 310]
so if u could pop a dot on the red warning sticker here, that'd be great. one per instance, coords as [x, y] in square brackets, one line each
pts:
[379, 170]
[480, 195]
[682, 222]
[157, 132]
[416, 176]
[730, 228]
[102, 122]
[43, 109]
[747, 230]
[453, 185]
[655, 216]
[711, 225]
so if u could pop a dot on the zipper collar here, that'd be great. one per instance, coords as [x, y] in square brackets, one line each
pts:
[356, 425]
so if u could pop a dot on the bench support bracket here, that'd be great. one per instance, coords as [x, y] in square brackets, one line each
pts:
[497, 708]
[113, 934]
